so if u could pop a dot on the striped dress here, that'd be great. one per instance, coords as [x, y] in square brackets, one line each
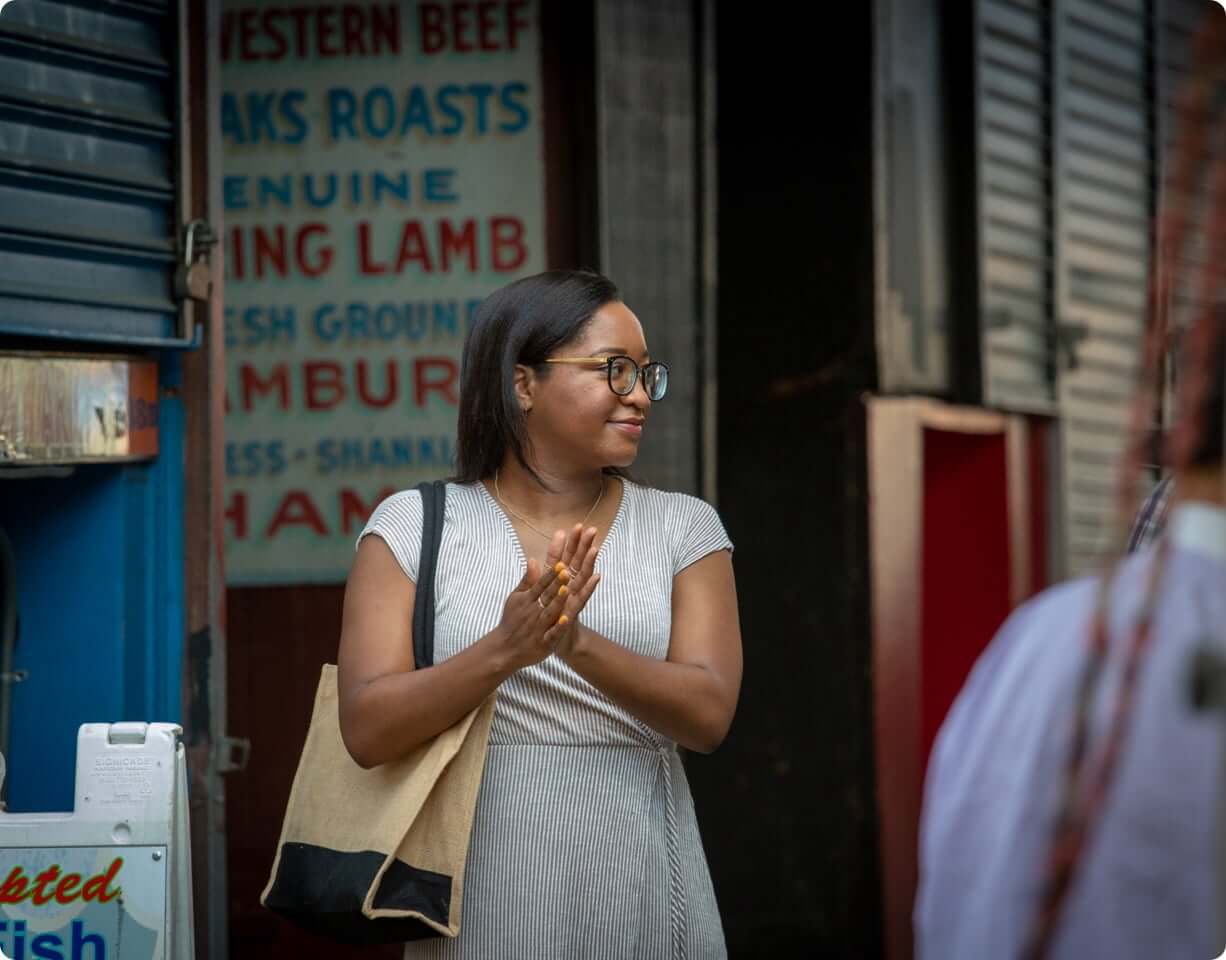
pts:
[585, 842]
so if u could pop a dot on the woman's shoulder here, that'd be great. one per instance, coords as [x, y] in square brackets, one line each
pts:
[672, 501]
[670, 510]
[460, 500]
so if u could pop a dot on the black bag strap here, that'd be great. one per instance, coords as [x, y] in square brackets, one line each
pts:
[433, 500]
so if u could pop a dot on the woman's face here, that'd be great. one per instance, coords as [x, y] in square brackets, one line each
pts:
[574, 419]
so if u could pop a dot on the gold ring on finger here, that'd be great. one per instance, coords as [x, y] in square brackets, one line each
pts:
[540, 603]
[574, 574]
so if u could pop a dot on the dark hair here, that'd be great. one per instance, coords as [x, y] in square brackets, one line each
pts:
[523, 323]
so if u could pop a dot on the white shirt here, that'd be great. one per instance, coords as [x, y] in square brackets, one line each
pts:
[1147, 886]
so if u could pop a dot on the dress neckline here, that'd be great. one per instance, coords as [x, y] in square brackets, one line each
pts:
[513, 535]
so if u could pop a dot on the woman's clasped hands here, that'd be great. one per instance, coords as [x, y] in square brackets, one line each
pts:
[541, 615]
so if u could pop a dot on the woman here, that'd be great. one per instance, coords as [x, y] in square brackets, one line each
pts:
[602, 612]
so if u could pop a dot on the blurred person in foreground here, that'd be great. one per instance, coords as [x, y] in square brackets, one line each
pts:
[1146, 882]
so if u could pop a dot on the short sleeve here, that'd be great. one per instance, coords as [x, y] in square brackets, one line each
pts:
[397, 521]
[700, 532]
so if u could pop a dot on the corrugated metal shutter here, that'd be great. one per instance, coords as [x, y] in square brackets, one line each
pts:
[1013, 74]
[1066, 148]
[90, 169]
[1104, 199]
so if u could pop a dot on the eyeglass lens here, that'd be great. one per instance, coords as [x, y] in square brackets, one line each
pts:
[623, 374]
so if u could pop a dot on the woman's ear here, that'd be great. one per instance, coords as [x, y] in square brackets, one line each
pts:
[525, 386]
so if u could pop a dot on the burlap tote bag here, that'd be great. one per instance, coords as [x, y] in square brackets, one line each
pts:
[377, 856]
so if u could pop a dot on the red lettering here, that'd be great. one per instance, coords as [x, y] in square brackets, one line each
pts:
[327, 30]
[246, 26]
[391, 389]
[507, 249]
[279, 46]
[367, 266]
[487, 26]
[431, 19]
[235, 260]
[307, 266]
[40, 895]
[385, 28]
[16, 886]
[462, 243]
[413, 247]
[236, 514]
[67, 891]
[251, 386]
[325, 384]
[355, 512]
[95, 888]
[13, 890]
[516, 23]
[325, 27]
[300, 15]
[352, 23]
[296, 510]
[460, 25]
[270, 250]
[227, 36]
[444, 384]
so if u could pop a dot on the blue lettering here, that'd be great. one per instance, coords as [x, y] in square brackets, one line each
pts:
[381, 183]
[232, 120]
[325, 456]
[291, 101]
[453, 113]
[436, 185]
[342, 105]
[510, 104]
[327, 324]
[481, 93]
[259, 114]
[234, 189]
[376, 97]
[402, 451]
[271, 188]
[308, 190]
[357, 317]
[351, 453]
[446, 317]
[417, 113]
[47, 946]
[276, 458]
[254, 458]
[80, 942]
[387, 321]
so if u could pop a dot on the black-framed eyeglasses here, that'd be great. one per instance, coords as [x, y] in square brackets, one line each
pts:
[624, 374]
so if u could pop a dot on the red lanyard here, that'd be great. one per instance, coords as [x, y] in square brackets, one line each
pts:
[1085, 787]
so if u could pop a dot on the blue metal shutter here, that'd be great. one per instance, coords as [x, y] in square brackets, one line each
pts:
[91, 170]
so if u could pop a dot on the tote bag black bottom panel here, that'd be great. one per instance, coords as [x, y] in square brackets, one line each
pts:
[322, 891]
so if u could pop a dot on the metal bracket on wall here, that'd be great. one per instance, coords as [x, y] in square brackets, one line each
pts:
[233, 754]
[193, 279]
[1069, 337]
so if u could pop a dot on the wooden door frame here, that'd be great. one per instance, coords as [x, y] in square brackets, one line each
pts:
[896, 428]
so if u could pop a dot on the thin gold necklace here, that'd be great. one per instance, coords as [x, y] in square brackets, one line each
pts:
[520, 516]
